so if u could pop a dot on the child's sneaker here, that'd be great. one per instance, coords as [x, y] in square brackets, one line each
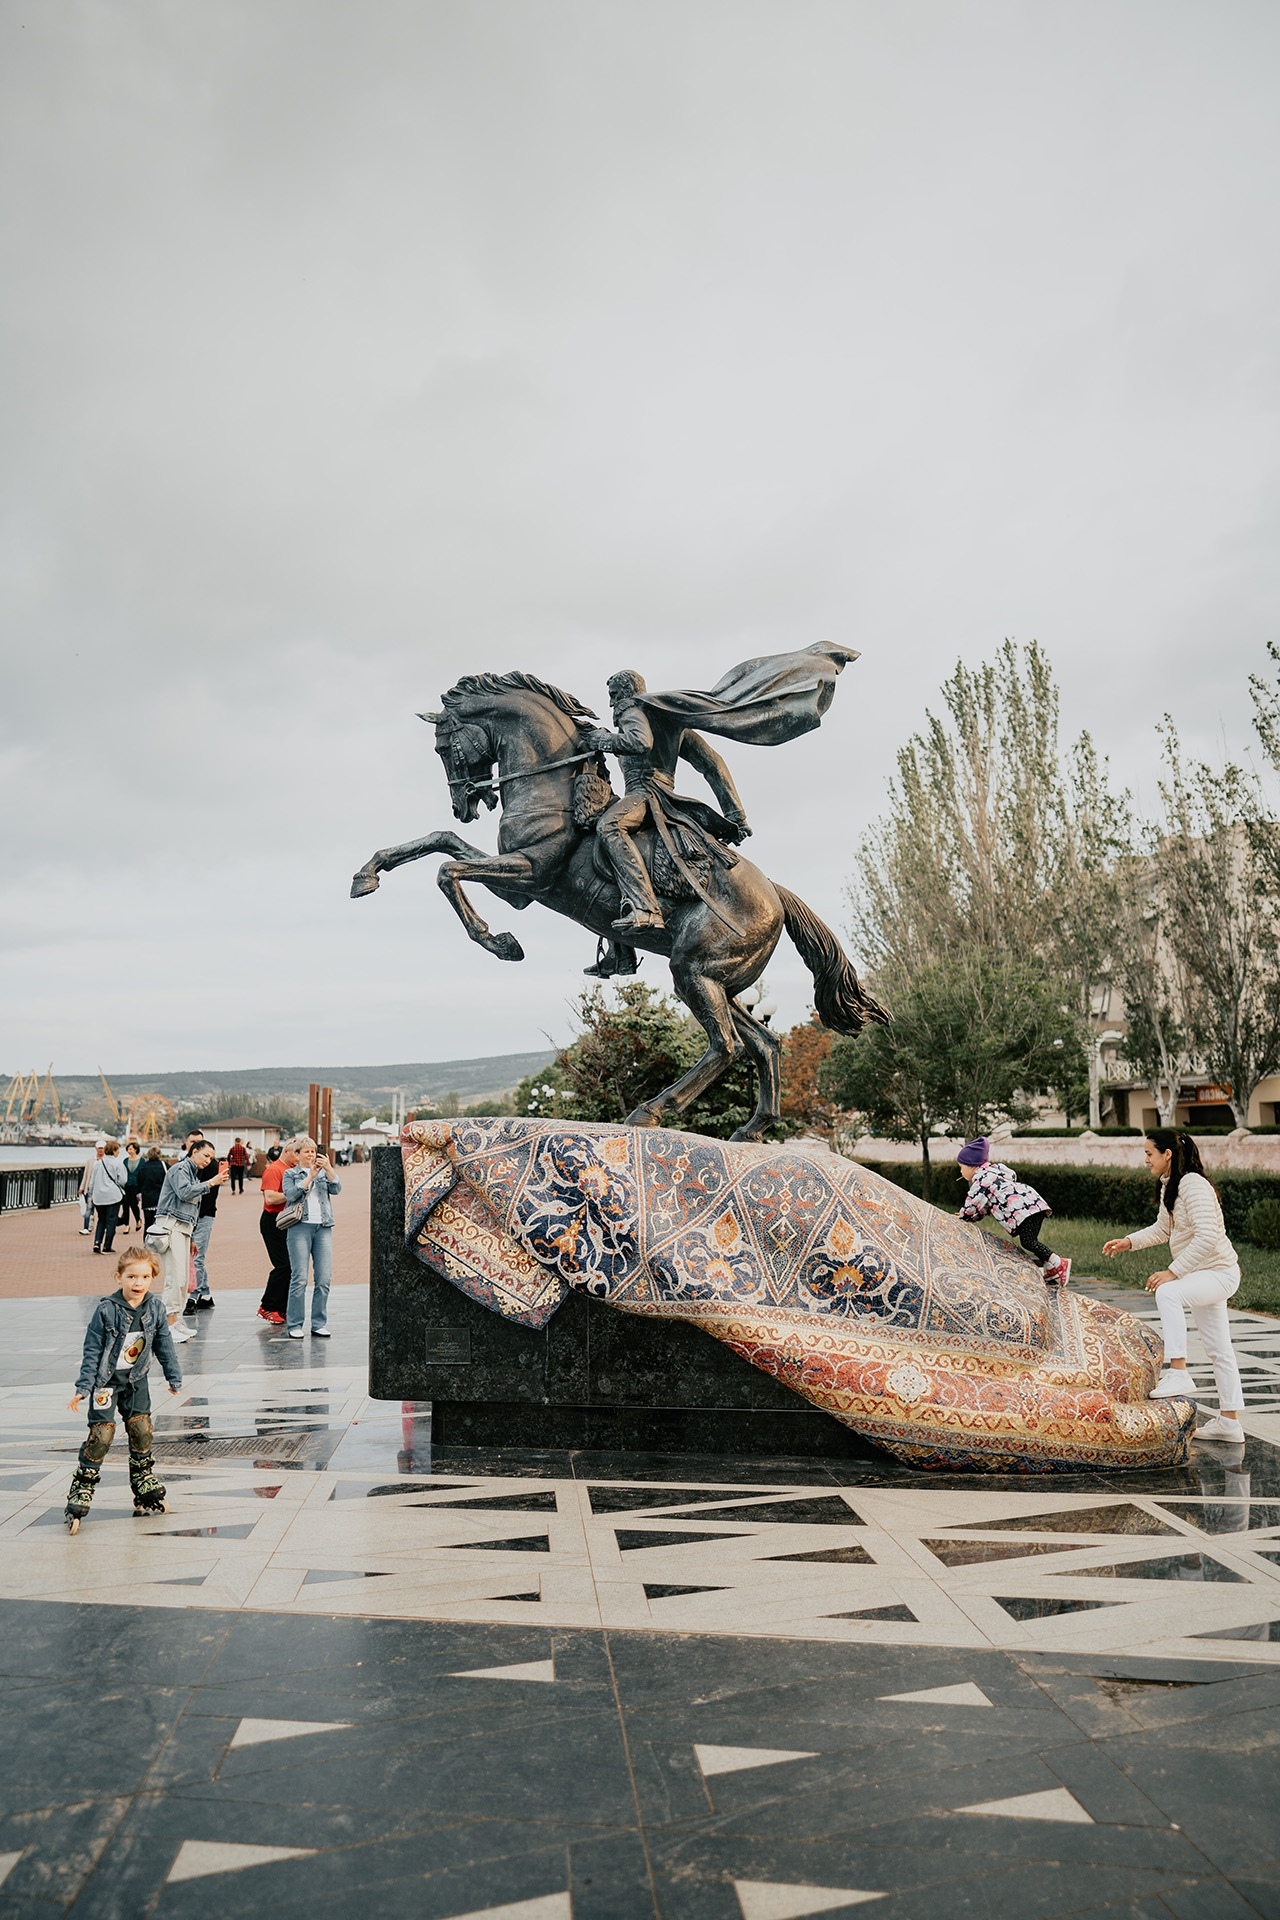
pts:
[1058, 1271]
[1220, 1428]
[1175, 1383]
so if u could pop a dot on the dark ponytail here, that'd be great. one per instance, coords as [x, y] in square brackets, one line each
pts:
[1186, 1159]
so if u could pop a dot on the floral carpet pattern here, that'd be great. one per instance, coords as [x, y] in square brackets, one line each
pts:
[914, 1329]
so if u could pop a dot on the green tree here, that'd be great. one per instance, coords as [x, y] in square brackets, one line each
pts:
[974, 1034]
[1223, 917]
[630, 1045]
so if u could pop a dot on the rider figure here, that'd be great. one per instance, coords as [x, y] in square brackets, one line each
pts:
[647, 749]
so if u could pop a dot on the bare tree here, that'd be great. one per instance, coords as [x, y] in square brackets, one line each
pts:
[1222, 914]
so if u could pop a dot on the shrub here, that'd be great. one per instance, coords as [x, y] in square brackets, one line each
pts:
[1263, 1224]
[1119, 1194]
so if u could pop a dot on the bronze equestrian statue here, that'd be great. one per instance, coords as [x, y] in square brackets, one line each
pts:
[651, 869]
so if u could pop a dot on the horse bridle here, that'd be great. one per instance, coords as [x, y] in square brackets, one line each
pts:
[473, 789]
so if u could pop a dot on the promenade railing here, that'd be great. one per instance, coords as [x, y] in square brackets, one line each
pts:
[38, 1188]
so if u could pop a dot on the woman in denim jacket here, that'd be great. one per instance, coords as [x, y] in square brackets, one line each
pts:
[312, 1181]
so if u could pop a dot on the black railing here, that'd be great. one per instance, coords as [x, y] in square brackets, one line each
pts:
[24, 1188]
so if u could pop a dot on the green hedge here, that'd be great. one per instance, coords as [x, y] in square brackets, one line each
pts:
[1123, 1195]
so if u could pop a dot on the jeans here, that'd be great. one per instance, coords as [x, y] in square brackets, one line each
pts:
[313, 1245]
[175, 1266]
[105, 1232]
[200, 1247]
[1206, 1293]
[275, 1296]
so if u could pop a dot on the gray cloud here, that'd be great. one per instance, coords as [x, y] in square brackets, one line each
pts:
[349, 348]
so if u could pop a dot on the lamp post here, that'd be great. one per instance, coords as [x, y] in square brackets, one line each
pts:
[1100, 1041]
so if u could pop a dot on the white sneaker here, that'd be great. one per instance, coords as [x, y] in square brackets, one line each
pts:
[295, 1333]
[178, 1332]
[320, 1333]
[1175, 1383]
[1220, 1428]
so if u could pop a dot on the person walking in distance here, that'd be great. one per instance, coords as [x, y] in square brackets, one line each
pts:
[1202, 1275]
[310, 1184]
[237, 1161]
[177, 1211]
[85, 1192]
[131, 1205]
[110, 1178]
[150, 1180]
[201, 1233]
[275, 1297]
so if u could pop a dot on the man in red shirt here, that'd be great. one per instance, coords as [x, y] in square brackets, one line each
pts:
[276, 1294]
[238, 1160]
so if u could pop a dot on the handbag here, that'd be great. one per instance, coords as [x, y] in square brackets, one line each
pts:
[290, 1216]
[159, 1236]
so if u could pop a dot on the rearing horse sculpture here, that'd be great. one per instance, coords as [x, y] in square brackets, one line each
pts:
[718, 939]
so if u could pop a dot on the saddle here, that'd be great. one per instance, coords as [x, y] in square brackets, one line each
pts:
[679, 852]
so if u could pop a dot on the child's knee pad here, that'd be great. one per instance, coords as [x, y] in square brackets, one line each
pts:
[98, 1444]
[138, 1428]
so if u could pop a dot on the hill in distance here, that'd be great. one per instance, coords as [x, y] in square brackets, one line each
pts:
[422, 1082]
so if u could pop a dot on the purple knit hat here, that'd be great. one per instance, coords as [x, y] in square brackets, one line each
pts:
[975, 1153]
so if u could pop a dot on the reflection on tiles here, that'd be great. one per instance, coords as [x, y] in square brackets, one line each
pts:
[1265, 1630]
[497, 1503]
[1226, 1516]
[1122, 1517]
[636, 1540]
[967, 1553]
[1185, 1566]
[828, 1511]
[319, 1576]
[1024, 1609]
[640, 1499]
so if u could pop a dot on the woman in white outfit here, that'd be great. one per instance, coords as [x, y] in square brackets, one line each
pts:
[1202, 1275]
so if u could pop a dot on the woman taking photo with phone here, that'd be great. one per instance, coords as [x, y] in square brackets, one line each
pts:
[309, 1220]
[1202, 1275]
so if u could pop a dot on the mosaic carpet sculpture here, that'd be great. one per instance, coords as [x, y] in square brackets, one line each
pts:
[915, 1329]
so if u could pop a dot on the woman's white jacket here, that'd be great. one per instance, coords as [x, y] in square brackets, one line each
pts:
[1197, 1238]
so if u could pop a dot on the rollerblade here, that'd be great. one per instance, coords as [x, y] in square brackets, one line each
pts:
[148, 1492]
[84, 1484]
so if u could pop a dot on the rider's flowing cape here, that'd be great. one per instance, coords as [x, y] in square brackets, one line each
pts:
[764, 702]
[916, 1329]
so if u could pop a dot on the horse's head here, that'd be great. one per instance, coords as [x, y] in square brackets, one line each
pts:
[468, 754]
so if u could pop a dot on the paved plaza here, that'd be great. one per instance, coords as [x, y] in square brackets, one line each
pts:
[346, 1671]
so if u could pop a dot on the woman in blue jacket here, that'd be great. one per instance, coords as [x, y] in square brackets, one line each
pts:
[311, 1182]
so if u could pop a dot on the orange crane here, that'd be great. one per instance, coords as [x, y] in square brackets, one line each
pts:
[117, 1110]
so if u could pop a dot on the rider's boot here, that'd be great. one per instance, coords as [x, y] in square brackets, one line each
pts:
[640, 902]
[613, 959]
[148, 1491]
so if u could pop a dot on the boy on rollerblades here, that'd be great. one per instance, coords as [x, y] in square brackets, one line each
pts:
[125, 1330]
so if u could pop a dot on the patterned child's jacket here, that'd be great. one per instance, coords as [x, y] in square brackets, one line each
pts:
[997, 1189]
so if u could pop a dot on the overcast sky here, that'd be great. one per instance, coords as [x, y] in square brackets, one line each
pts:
[350, 347]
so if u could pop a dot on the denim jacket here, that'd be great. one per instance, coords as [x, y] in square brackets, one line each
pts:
[182, 1192]
[105, 1333]
[295, 1181]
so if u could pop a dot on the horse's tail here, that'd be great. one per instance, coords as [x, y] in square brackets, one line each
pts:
[842, 1003]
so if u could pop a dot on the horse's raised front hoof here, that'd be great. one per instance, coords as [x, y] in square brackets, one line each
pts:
[366, 881]
[504, 945]
[641, 1117]
[754, 1134]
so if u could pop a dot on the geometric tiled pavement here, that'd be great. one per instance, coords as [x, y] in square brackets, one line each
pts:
[344, 1675]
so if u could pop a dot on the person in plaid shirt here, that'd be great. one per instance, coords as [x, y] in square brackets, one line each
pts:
[996, 1189]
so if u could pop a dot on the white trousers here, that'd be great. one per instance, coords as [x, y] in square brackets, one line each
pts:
[1206, 1294]
[175, 1266]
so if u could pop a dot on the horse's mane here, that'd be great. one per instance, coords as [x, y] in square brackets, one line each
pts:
[480, 683]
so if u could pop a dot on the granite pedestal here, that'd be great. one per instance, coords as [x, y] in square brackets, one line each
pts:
[593, 1377]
